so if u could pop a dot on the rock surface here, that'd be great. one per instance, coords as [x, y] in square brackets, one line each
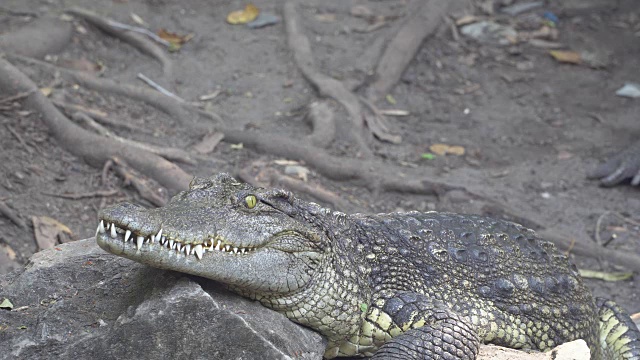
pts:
[77, 302]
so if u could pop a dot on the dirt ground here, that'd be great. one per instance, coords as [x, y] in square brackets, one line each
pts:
[531, 126]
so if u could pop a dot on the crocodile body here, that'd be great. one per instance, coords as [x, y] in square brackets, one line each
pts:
[392, 286]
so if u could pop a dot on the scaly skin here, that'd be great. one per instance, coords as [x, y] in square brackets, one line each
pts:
[392, 286]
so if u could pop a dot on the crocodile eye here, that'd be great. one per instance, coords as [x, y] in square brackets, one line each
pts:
[251, 201]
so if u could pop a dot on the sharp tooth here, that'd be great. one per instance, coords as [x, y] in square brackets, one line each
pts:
[178, 247]
[235, 250]
[227, 247]
[198, 250]
[148, 240]
[158, 236]
[163, 241]
[171, 244]
[113, 230]
[139, 241]
[217, 246]
[242, 251]
[101, 227]
[187, 249]
[127, 235]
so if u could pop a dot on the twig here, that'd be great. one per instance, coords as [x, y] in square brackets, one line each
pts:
[168, 153]
[132, 37]
[11, 215]
[20, 140]
[141, 30]
[77, 196]
[155, 85]
[97, 115]
[18, 96]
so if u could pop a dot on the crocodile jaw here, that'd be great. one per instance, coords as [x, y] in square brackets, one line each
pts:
[258, 269]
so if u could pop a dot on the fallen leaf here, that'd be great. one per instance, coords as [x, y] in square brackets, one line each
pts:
[285, 162]
[8, 251]
[444, 149]
[248, 14]
[298, 171]
[46, 91]
[427, 156]
[176, 41]
[467, 19]
[326, 17]
[208, 143]
[606, 276]
[238, 146]
[49, 232]
[395, 112]
[563, 56]
[391, 100]
[6, 304]
[137, 19]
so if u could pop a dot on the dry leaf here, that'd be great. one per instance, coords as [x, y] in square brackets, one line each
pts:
[248, 14]
[570, 57]
[298, 171]
[208, 143]
[467, 19]
[46, 91]
[326, 17]
[49, 232]
[444, 149]
[8, 251]
[175, 40]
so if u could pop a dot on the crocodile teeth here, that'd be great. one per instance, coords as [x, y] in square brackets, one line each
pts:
[139, 241]
[217, 246]
[187, 249]
[163, 241]
[113, 230]
[198, 250]
[100, 227]
[235, 250]
[227, 247]
[127, 235]
[158, 236]
[178, 247]
[242, 251]
[171, 242]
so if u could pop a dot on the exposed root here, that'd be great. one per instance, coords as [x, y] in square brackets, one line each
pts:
[78, 196]
[97, 115]
[327, 86]
[130, 177]
[323, 123]
[11, 215]
[92, 148]
[423, 20]
[168, 153]
[135, 39]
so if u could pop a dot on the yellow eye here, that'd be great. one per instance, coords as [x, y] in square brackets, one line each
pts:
[251, 201]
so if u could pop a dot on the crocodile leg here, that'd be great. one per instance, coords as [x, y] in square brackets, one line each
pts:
[429, 330]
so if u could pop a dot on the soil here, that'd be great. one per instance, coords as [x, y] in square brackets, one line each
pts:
[531, 127]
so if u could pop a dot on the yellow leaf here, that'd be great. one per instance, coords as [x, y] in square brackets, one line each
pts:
[444, 149]
[49, 232]
[248, 14]
[46, 91]
[175, 41]
[563, 56]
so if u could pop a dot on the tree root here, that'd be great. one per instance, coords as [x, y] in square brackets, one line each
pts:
[92, 148]
[97, 115]
[323, 123]
[422, 23]
[136, 40]
[168, 153]
[327, 86]
[11, 215]
[142, 186]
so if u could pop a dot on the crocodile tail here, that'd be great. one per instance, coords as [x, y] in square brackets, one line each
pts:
[619, 336]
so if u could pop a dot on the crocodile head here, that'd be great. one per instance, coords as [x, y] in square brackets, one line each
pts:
[249, 238]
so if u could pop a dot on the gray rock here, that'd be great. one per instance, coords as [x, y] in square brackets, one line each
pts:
[78, 302]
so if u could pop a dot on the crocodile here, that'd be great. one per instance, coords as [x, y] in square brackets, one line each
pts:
[415, 285]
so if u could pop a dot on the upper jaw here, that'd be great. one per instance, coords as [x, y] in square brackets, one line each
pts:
[109, 234]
